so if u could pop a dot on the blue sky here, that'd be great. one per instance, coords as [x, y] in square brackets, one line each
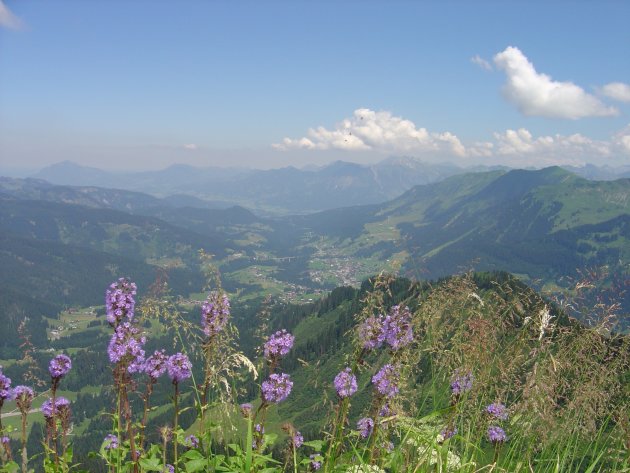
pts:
[143, 84]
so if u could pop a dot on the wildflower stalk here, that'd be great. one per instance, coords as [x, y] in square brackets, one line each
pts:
[23, 438]
[1, 429]
[130, 431]
[248, 445]
[53, 422]
[175, 425]
[145, 412]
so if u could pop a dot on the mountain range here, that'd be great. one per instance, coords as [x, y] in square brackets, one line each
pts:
[542, 225]
[286, 190]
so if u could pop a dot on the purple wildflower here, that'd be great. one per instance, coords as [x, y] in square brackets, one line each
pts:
[386, 380]
[496, 434]
[215, 312]
[277, 388]
[5, 440]
[497, 411]
[23, 397]
[386, 411]
[119, 301]
[125, 346]
[111, 442]
[388, 446]
[61, 404]
[59, 366]
[258, 440]
[156, 364]
[370, 332]
[316, 463]
[397, 327]
[461, 382]
[179, 367]
[6, 393]
[365, 427]
[169, 468]
[346, 383]
[246, 409]
[191, 441]
[448, 432]
[279, 344]
[297, 439]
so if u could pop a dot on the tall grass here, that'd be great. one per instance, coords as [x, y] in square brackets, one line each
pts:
[485, 376]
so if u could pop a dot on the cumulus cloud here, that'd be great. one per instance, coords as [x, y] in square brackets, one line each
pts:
[383, 132]
[368, 130]
[560, 149]
[8, 19]
[537, 94]
[617, 91]
[621, 140]
[481, 62]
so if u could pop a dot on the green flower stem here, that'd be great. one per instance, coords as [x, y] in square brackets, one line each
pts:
[175, 424]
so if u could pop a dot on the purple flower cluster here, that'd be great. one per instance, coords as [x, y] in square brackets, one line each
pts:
[461, 382]
[297, 439]
[346, 383]
[191, 441]
[448, 432]
[258, 440]
[316, 464]
[5, 440]
[126, 346]
[497, 411]
[365, 427]
[215, 312]
[386, 381]
[246, 409]
[59, 366]
[179, 367]
[23, 397]
[385, 411]
[6, 393]
[279, 344]
[277, 388]
[397, 327]
[394, 328]
[119, 301]
[111, 442]
[496, 434]
[61, 404]
[370, 332]
[169, 468]
[155, 366]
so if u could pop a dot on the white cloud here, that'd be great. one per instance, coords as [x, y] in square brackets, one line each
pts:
[537, 94]
[381, 132]
[376, 131]
[8, 19]
[481, 62]
[622, 140]
[617, 91]
[191, 146]
[559, 149]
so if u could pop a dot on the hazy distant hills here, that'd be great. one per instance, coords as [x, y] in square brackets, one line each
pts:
[280, 191]
[541, 224]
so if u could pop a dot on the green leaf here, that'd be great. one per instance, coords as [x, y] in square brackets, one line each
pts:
[196, 465]
[151, 464]
[316, 444]
[192, 455]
